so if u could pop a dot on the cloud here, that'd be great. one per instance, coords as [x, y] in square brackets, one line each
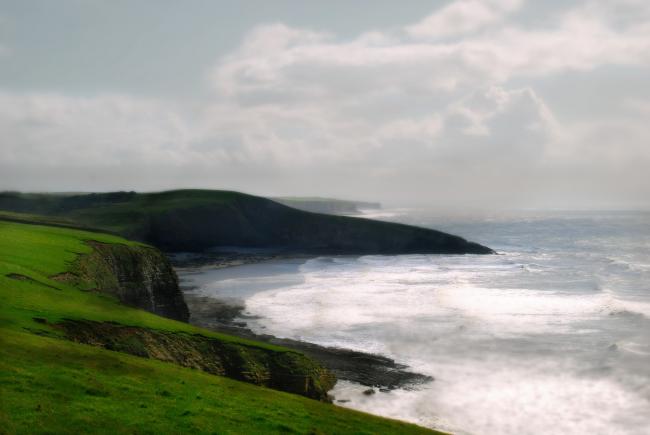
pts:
[106, 130]
[443, 110]
[434, 99]
[294, 63]
[462, 17]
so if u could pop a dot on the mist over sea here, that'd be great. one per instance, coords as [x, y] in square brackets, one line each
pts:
[550, 336]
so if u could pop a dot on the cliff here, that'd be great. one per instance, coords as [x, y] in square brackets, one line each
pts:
[196, 220]
[51, 280]
[138, 276]
[287, 371]
[138, 372]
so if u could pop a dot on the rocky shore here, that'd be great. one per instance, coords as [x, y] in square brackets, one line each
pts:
[226, 315]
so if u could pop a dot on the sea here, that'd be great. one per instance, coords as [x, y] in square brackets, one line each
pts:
[551, 335]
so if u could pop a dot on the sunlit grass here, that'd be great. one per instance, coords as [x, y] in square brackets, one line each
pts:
[50, 385]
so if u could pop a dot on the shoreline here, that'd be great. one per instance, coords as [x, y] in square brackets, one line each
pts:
[225, 315]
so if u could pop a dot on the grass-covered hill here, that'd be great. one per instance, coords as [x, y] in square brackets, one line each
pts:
[194, 220]
[44, 290]
[75, 360]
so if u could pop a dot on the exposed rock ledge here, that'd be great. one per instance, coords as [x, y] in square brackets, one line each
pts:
[284, 370]
[138, 276]
[364, 368]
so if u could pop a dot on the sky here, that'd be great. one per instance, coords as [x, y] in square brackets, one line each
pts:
[462, 103]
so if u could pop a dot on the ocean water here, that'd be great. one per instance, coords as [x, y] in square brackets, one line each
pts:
[550, 336]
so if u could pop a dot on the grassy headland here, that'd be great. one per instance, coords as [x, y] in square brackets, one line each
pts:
[51, 384]
[194, 220]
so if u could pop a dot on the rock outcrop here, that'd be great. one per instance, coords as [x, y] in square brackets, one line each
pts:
[280, 369]
[138, 276]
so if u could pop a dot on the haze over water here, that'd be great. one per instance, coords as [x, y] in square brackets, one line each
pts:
[552, 335]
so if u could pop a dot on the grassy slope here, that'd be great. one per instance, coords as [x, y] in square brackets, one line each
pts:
[40, 251]
[51, 385]
[116, 212]
[121, 216]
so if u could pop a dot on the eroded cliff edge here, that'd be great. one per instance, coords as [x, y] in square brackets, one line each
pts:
[141, 276]
[138, 276]
[280, 369]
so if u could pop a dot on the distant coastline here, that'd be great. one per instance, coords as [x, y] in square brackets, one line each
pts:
[328, 205]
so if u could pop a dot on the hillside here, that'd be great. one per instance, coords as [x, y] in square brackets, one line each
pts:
[56, 276]
[143, 373]
[195, 220]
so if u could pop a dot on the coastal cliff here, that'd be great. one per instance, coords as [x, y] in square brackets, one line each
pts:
[58, 285]
[287, 371]
[249, 221]
[73, 359]
[142, 277]
[138, 276]
[198, 220]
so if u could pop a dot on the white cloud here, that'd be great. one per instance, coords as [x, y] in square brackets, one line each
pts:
[106, 130]
[428, 111]
[293, 63]
[462, 17]
[440, 103]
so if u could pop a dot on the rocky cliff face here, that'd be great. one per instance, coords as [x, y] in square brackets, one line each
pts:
[279, 369]
[142, 277]
[138, 276]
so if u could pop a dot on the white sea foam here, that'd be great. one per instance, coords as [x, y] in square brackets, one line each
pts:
[415, 308]
[350, 292]
[474, 399]
[552, 336]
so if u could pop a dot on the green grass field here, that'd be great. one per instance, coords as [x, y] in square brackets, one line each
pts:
[39, 252]
[50, 385]
[117, 212]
